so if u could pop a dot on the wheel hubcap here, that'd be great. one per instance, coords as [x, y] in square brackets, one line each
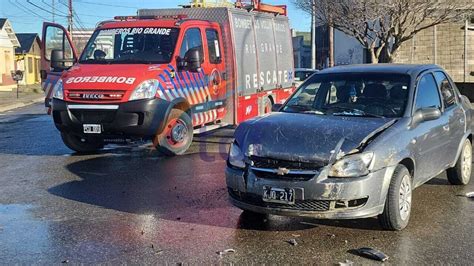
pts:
[405, 197]
[179, 132]
[466, 161]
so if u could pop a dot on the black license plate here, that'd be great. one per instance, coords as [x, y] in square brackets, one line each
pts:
[278, 195]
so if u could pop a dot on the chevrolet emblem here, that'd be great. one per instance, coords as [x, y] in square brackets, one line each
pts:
[282, 171]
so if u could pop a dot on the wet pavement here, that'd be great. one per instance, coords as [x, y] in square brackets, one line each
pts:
[128, 204]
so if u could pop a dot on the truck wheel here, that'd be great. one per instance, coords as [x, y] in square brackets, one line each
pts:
[267, 106]
[177, 134]
[460, 174]
[397, 208]
[81, 144]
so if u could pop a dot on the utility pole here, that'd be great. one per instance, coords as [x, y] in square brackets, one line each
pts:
[313, 35]
[331, 46]
[53, 9]
[69, 18]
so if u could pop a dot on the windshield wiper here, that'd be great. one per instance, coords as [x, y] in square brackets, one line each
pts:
[354, 112]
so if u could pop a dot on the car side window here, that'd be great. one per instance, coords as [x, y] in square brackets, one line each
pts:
[447, 91]
[192, 39]
[427, 95]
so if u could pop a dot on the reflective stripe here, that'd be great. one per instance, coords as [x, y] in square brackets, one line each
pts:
[93, 106]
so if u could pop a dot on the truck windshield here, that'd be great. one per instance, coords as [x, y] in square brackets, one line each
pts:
[142, 45]
[352, 94]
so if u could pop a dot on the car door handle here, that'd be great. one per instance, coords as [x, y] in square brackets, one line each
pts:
[446, 128]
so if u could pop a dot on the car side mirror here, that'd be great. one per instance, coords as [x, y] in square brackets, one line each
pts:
[276, 107]
[426, 114]
[193, 59]
[57, 60]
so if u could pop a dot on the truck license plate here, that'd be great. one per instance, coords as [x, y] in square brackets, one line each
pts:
[278, 195]
[92, 129]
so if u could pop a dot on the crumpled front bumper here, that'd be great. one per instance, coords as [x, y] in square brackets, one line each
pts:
[319, 197]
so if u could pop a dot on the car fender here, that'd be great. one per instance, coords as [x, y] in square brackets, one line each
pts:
[458, 153]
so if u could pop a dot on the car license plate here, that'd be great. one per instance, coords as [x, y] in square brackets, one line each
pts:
[92, 129]
[278, 195]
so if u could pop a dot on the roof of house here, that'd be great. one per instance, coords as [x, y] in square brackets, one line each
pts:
[26, 41]
[2, 22]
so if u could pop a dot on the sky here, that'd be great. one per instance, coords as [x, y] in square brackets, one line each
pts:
[28, 15]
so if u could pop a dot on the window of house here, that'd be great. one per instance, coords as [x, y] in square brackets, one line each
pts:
[213, 46]
[427, 95]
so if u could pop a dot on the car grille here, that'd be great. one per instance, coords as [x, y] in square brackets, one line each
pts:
[95, 96]
[94, 116]
[268, 168]
[300, 205]
[269, 163]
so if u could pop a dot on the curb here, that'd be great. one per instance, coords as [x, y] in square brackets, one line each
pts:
[19, 105]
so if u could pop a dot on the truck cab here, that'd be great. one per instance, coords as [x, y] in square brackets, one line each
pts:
[152, 77]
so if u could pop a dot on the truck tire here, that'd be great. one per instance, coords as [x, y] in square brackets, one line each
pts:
[460, 174]
[81, 144]
[177, 134]
[397, 208]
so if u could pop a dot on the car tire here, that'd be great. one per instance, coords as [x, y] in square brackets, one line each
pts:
[177, 134]
[81, 144]
[397, 208]
[460, 174]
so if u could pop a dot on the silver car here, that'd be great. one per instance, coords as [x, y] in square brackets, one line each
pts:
[353, 142]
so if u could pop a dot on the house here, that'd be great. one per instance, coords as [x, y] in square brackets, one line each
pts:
[28, 56]
[8, 43]
[302, 49]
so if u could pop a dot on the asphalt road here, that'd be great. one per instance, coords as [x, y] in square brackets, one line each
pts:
[128, 204]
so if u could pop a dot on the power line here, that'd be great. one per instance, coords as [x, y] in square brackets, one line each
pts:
[26, 10]
[41, 8]
[102, 4]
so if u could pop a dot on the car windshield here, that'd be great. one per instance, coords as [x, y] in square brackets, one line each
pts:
[142, 45]
[352, 94]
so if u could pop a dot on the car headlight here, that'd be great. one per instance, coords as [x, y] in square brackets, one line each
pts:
[353, 165]
[236, 157]
[146, 90]
[58, 90]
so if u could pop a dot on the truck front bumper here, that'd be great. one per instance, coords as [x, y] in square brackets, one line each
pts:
[320, 197]
[135, 119]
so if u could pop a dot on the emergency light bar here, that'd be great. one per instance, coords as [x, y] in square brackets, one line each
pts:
[175, 17]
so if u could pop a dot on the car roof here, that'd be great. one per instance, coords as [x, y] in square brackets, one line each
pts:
[409, 69]
[306, 69]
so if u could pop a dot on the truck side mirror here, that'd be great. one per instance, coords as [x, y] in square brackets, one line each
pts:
[57, 60]
[426, 114]
[193, 59]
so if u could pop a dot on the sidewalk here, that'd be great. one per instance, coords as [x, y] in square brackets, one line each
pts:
[28, 95]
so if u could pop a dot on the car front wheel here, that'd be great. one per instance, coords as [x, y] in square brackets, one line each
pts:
[460, 174]
[397, 208]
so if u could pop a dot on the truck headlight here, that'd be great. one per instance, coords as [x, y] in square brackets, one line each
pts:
[58, 90]
[146, 90]
[236, 157]
[353, 165]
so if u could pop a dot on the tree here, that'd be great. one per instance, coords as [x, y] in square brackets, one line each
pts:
[382, 26]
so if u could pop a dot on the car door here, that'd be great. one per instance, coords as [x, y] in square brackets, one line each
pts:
[430, 139]
[455, 115]
[55, 37]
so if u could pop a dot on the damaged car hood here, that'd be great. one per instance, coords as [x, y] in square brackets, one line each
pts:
[306, 137]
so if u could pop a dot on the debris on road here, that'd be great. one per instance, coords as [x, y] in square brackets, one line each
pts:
[371, 253]
[295, 235]
[470, 195]
[226, 251]
[331, 235]
[346, 263]
[292, 242]
[65, 261]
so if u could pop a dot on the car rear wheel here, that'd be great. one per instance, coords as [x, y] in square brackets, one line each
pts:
[81, 144]
[460, 174]
[397, 208]
[177, 135]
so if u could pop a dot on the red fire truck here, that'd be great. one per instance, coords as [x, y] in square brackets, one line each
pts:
[167, 73]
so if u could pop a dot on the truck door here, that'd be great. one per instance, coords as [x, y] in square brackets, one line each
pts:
[214, 71]
[55, 37]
